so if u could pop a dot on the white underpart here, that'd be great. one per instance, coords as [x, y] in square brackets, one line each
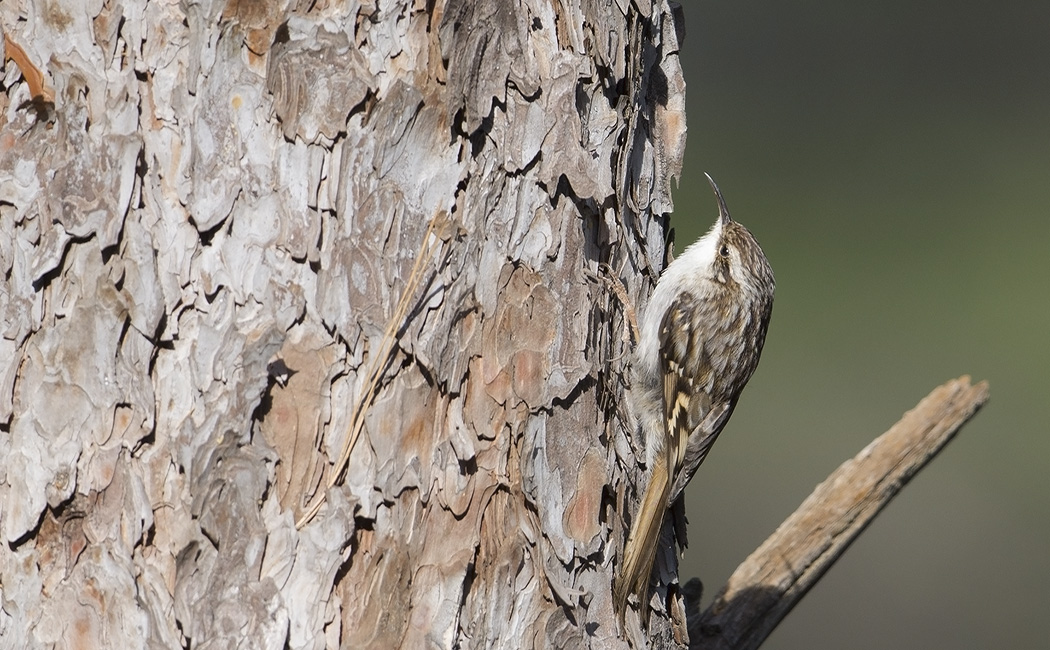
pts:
[695, 261]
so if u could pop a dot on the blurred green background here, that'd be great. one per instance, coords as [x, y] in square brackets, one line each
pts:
[894, 161]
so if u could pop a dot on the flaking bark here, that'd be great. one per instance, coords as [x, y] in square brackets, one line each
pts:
[210, 211]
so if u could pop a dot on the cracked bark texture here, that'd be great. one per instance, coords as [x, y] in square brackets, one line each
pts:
[209, 211]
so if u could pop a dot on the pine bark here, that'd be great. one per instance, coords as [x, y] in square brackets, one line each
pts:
[210, 212]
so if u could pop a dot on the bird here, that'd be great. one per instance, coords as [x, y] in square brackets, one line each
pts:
[700, 340]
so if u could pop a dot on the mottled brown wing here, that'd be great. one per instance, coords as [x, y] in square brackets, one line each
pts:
[699, 443]
[692, 421]
[681, 356]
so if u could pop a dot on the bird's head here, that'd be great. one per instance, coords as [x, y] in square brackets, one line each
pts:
[729, 254]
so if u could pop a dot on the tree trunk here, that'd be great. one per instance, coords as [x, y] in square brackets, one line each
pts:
[337, 264]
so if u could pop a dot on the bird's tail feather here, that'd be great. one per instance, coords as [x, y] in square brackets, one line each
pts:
[640, 551]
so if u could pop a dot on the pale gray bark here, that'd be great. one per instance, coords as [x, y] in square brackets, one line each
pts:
[209, 213]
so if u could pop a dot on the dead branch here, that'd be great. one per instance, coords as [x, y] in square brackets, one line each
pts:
[768, 584]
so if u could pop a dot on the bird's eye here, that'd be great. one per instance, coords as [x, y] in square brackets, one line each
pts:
[724, 251]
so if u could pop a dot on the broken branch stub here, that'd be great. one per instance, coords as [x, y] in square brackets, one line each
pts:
[768, 584]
